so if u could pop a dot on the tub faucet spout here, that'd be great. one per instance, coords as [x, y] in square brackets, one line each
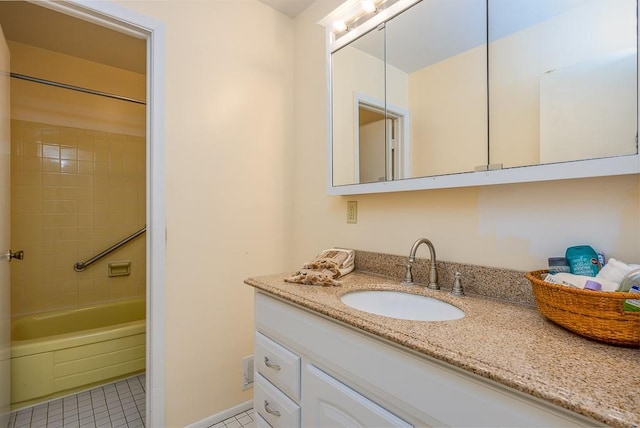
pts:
[433, 272]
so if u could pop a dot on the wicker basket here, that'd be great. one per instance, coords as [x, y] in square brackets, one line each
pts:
[597, 315]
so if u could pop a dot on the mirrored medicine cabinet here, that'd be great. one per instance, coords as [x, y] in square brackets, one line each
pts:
[449, 93]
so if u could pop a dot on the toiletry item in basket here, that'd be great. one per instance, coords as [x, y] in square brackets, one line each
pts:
[629, 280]
[579, 281]
[583, 260]
[617, 271]
[566, 279]
[633, 305]
[558, 264]
[592, 285]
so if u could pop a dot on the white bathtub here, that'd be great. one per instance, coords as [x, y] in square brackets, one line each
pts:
[58, 352]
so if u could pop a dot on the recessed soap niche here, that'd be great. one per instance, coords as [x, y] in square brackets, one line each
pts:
[121, 268]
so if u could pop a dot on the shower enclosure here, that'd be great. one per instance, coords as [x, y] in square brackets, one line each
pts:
[78, 207]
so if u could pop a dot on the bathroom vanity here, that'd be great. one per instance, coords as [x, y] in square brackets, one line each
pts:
[319, 362]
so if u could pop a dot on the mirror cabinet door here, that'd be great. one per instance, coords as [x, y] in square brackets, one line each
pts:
[437, 87]
[433, 91]
[358, 110]
[409, 99]
[562, 80]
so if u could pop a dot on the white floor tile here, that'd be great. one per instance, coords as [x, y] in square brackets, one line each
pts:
[117, 405]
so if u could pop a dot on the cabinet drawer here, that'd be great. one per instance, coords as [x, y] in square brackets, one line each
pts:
[278, 364]
[275, 407]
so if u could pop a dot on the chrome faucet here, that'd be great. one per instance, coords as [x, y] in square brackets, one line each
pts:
[433, 273]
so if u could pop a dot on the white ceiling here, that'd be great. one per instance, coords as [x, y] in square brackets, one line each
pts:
[291, 8]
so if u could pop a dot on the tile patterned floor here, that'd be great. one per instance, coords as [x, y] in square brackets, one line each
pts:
[115, 405]
[243, 420]
[119, 404]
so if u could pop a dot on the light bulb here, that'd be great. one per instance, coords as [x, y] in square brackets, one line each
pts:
[368, 6]
[339, 25]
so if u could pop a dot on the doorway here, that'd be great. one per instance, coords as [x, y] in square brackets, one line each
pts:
[381, 141]
[152, 33]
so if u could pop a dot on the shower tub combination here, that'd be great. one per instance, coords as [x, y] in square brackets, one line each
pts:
[57, 352]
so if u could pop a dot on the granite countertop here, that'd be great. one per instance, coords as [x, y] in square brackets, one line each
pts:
[511, 344]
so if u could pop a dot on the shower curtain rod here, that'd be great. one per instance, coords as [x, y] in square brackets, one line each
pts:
[75, 88]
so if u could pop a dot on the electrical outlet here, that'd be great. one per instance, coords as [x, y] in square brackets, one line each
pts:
[352, 211]
[247, 372]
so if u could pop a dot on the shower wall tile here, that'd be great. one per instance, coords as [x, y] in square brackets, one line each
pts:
[74, 193]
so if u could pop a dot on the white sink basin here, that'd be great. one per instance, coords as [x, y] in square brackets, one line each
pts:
[396, 304]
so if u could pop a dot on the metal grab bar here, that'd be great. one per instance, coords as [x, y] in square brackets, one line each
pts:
[80, 266]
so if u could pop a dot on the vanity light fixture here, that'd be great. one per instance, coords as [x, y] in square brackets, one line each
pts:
[354, 12]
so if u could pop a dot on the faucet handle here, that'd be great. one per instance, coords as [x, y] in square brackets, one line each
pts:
[457, 285]
[408, 275]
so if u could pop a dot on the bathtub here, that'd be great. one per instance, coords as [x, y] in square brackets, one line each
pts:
[58, 352]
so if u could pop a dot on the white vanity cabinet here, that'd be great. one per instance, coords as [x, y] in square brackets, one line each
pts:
[350, 378]
[328, 402]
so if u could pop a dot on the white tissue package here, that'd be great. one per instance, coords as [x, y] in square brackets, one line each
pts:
[615, 270]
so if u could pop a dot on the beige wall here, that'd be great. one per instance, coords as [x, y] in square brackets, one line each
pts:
[512, 226]
[229, 134]
[75, 189]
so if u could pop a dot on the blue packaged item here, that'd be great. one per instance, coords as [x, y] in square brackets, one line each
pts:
[583, 260]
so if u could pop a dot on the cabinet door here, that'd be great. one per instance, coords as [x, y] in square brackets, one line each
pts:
[328, 402]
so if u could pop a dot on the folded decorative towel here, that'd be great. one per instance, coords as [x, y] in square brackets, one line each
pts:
[615, 270]
[328, 266]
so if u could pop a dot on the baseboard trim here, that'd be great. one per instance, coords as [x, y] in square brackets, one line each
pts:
[226, 414]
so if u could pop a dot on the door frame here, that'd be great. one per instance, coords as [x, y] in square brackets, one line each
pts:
[5, 232]
[402, 141]
[118, 18]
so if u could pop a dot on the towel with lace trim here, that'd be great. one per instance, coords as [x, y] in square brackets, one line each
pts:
[326, 268]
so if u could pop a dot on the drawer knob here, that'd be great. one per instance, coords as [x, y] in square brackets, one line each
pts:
[270, 410]
[270, 364]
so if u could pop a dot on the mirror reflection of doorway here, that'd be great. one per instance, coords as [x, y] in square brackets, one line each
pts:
[372, 145]
[381, 147]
